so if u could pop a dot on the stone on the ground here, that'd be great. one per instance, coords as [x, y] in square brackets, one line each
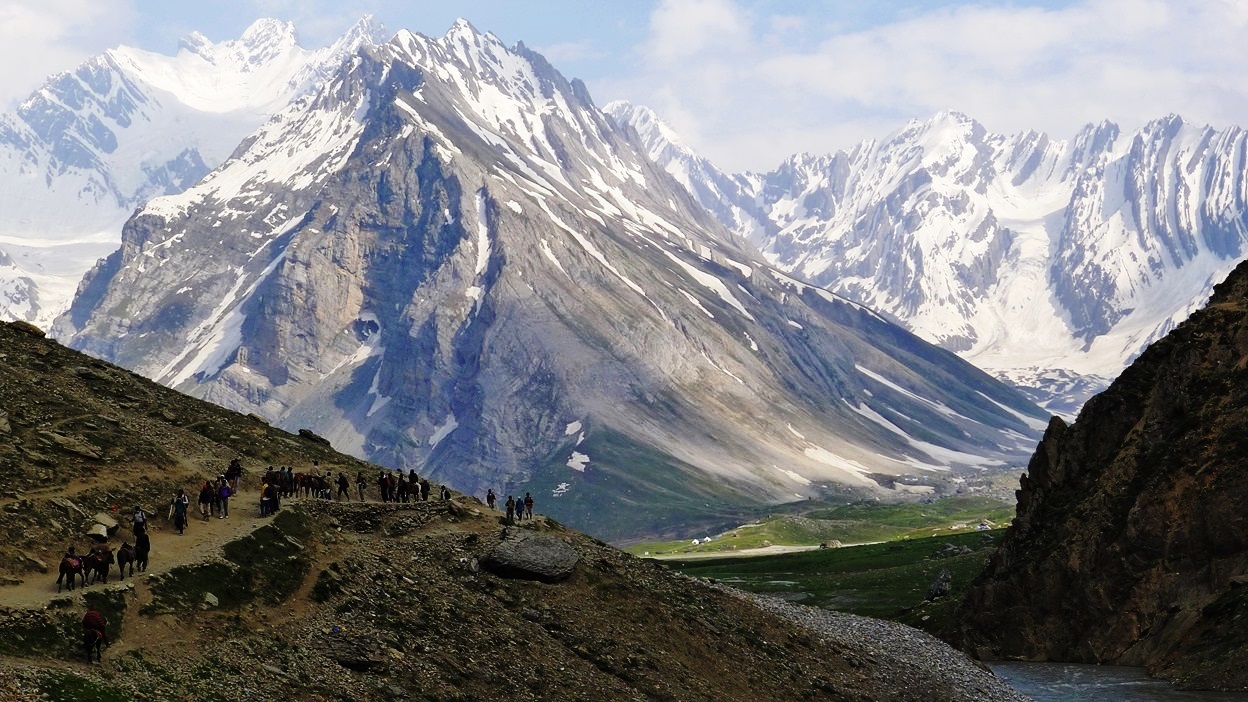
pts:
[98, 531]
[941, 586]
[109, 523]
[531, 556]
[65, 503]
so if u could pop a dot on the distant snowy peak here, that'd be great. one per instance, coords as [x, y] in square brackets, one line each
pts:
[82, 151]
[1017, 251]
[725, 196]
[259, 70]
[656, 134]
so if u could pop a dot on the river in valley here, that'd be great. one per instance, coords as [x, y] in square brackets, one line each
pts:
[1069, 682]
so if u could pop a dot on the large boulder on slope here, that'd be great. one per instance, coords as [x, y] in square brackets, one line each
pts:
[531, 556]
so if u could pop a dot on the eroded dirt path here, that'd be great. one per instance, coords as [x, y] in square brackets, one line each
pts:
[203, 540]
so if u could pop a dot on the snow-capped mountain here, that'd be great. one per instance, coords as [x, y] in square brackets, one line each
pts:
[447, 258]
[1053, 263]
[84, 150]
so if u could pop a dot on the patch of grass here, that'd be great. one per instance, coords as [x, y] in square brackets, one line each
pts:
[857, 523]
[268, 564]
[273, 563]
[184, 588]
[886, 580]
[59, 686]
[40, 634]
[295, 523]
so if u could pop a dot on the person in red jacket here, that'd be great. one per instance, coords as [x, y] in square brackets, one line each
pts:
[94, 634]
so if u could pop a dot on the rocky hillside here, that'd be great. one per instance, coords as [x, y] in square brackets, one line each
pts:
[447, 258]
[78, 429]
[1131, 542]
[435, 600]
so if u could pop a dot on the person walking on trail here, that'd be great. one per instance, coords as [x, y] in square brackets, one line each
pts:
[178, 509]
[360, 483]
[444, 493]
[142, 548]
[528, 505]
[490, 499]
[264, 500]
[234, 473]
[344, 487]
[140, 521]
[205, 500]
[424, 489]
[224, 493]
[511, 507]
[215, 487]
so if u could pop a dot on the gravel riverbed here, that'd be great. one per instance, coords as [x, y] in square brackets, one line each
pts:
[912, 659]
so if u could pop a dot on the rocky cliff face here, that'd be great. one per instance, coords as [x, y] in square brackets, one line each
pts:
[447, 258]
[1050, 262]
[1131, 542]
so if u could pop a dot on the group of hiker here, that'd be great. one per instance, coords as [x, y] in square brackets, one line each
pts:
[395, 487]
[276, 484]
[516, 509]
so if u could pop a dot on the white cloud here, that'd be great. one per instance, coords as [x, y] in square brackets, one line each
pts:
[42, 37]
[748, 89]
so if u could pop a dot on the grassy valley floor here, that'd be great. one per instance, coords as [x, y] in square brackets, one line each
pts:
[885, 580]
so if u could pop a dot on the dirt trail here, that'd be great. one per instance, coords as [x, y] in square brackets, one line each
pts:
[202, 540]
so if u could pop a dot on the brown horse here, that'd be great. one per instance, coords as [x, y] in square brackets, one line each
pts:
[125, 557]
[71, 566]
[94, 639]
[98, 562]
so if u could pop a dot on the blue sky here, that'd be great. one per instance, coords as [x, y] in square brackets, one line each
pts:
[749, 82]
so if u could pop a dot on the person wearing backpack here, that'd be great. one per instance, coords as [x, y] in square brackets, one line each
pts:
[178, 509]
[140, 521]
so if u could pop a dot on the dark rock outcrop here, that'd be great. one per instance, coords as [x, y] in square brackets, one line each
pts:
[531, 556]
[1131, 538]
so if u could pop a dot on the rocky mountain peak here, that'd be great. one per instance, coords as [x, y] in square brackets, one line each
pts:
[367, 31]
[266, 36]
